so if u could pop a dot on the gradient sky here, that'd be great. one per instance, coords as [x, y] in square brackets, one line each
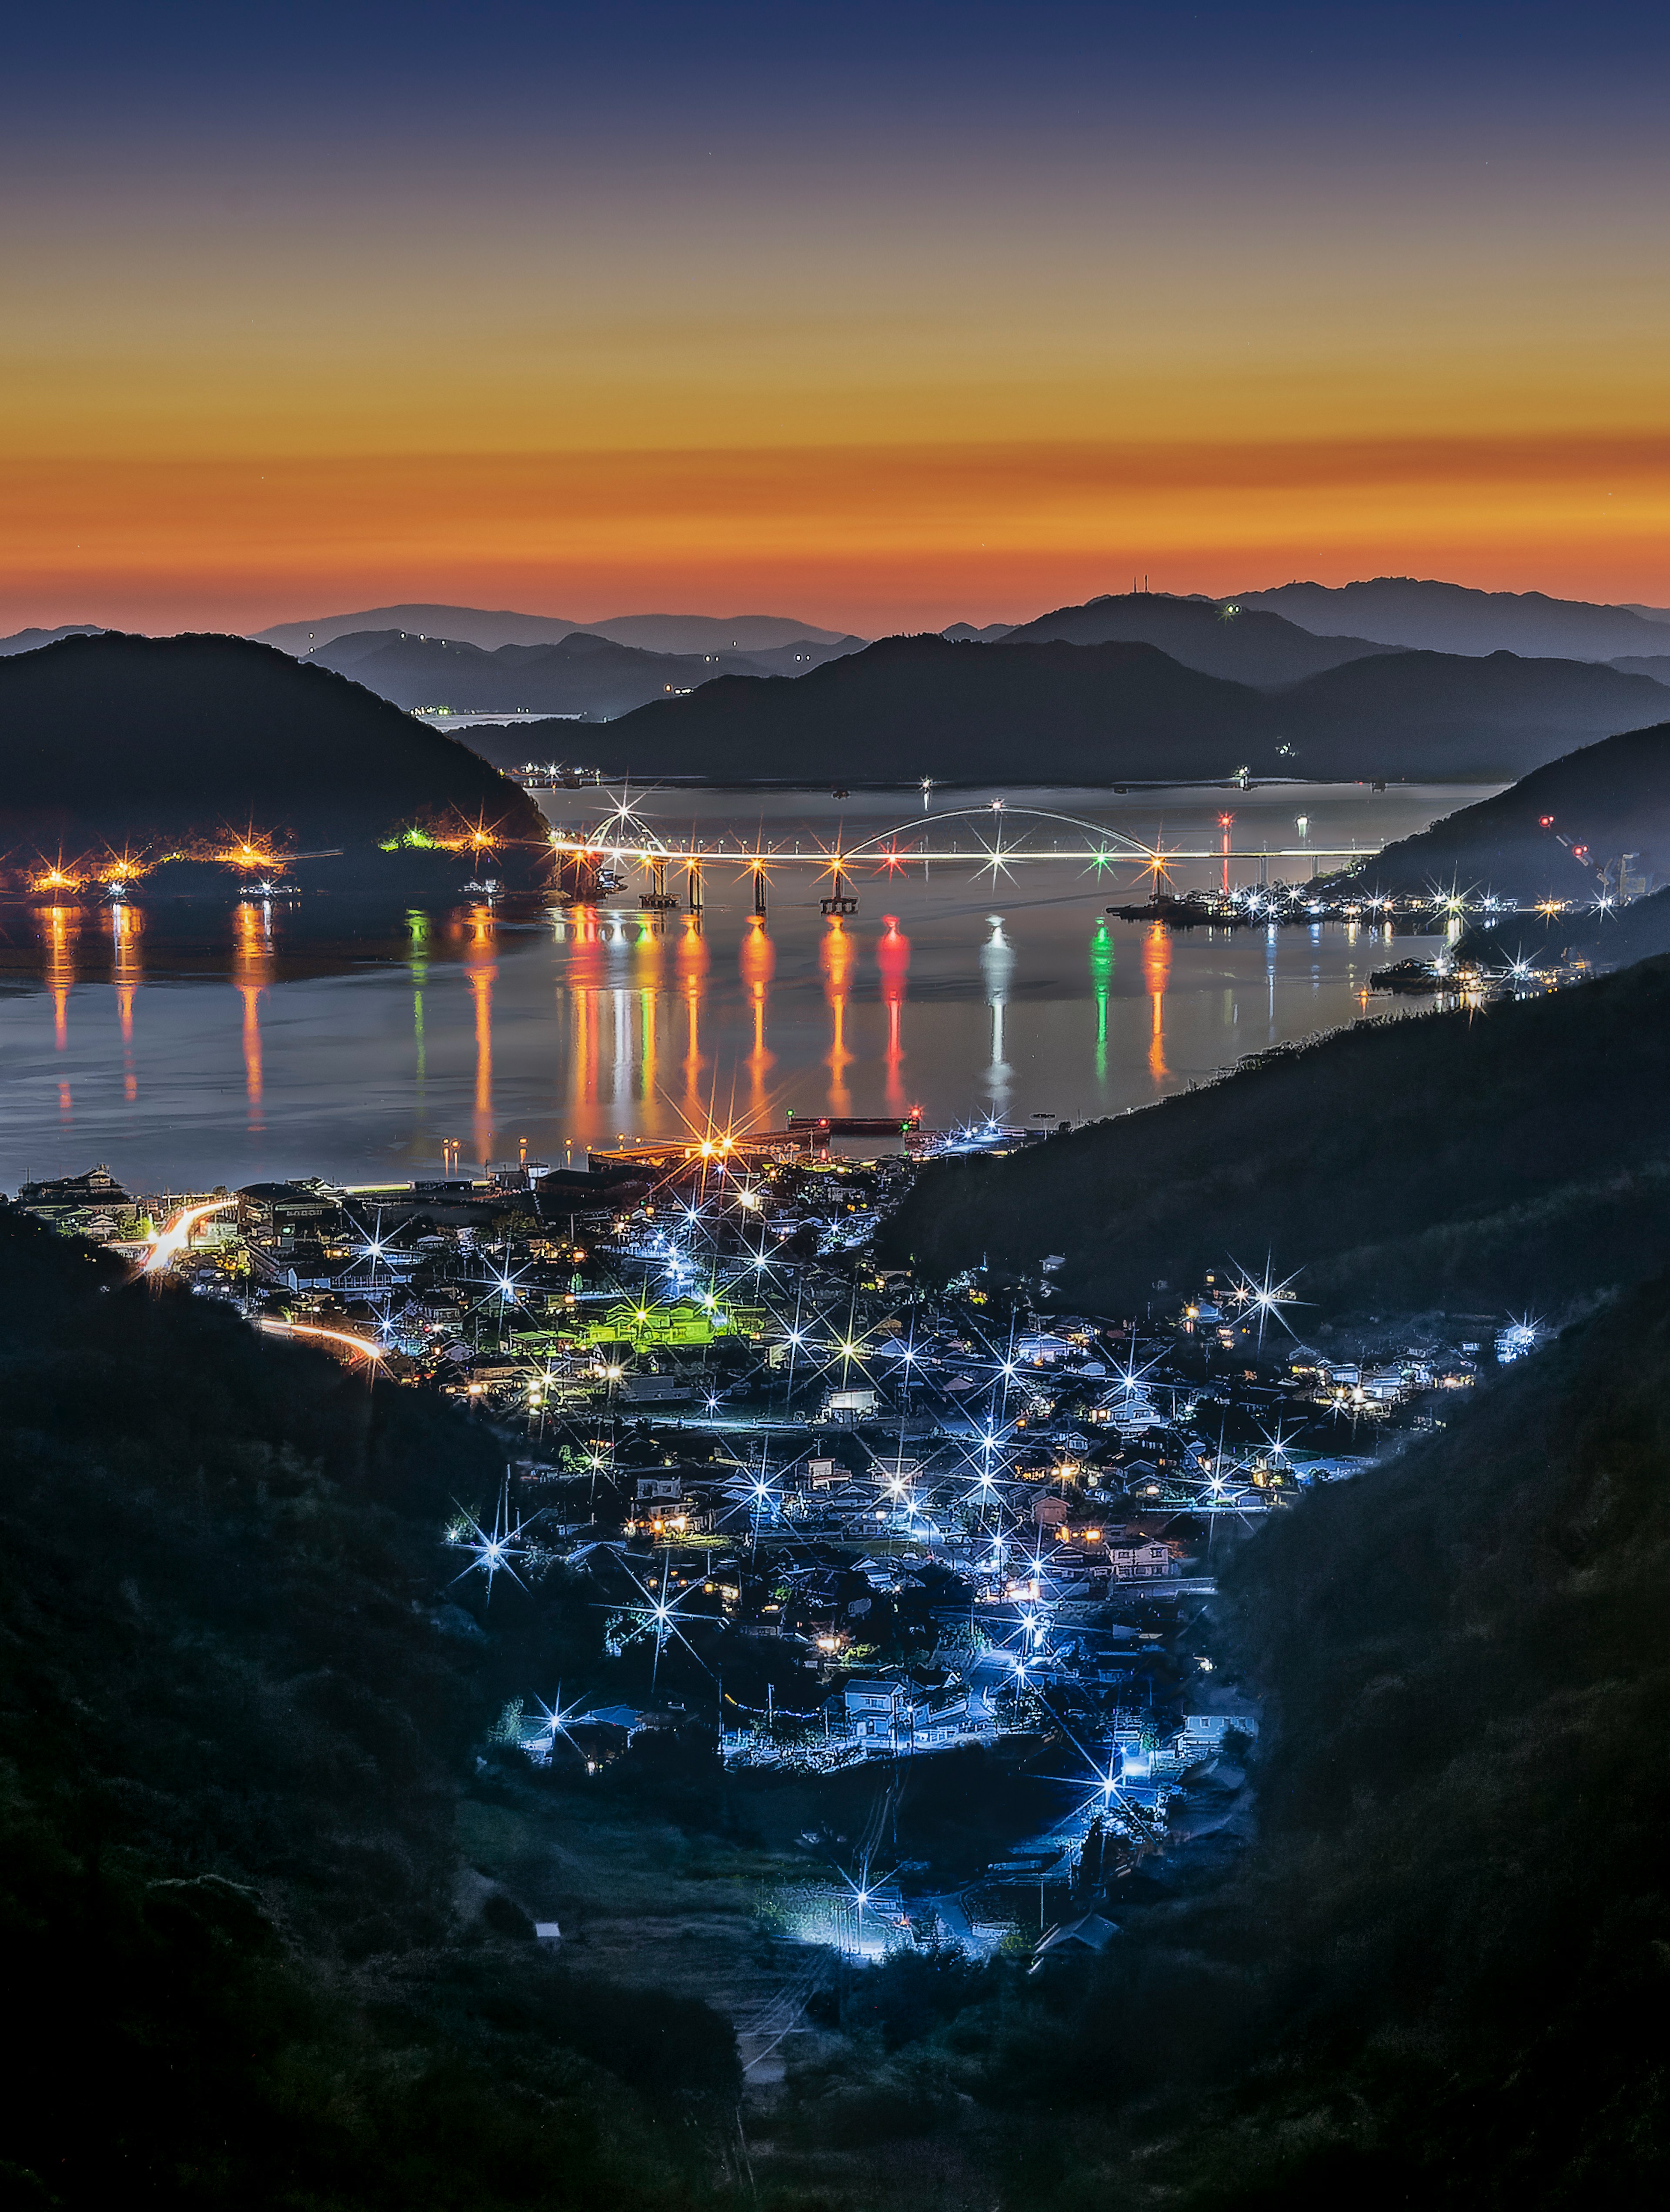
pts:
[882, 316]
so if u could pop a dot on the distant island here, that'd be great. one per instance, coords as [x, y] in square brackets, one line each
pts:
[1118, 711]
[130, 748]
[582, 674]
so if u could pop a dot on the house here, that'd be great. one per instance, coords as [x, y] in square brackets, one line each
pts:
[93, 1205]
[851, 1405]
[1202, 1735]
[276, 1216]
[1133, 1562]
[654, 1390]
[1086, 1937]
[881, 1705]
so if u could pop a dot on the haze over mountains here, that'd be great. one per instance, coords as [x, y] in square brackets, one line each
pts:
[492, 628]
[31, 640]
[1305, 680]
[580, 674]
[1455, 618]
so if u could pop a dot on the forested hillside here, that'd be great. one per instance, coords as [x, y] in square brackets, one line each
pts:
[1509, 1159]
[234, 1741]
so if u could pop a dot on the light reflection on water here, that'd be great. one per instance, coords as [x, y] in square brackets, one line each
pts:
[361, 1046]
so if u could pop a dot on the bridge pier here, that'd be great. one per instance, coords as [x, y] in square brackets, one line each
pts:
[759, 890]
[841, 900]
[659, 899]
[695, 886]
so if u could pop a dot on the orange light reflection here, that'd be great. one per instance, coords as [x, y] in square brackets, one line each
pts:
[1156, 973]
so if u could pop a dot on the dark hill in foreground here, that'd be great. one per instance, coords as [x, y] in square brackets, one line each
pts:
[910, 707]
[1607, 799]
[122, 740]
[1495, 1162]
[237, 1743]
[1457, 1915]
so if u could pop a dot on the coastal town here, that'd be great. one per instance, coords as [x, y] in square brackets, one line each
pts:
[831, 1517]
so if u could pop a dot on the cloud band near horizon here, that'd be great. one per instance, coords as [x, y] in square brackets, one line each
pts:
[889, 317]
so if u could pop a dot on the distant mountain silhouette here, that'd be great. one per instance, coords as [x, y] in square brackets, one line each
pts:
[908, 707]
[1249, 645]
[579, 674]
[1430, 714]
[131, 740]
[1655, 665]
[1609, 798]
[717, 633]
[962, 633]
[31, 640]
[1454, 618]
[492, 628]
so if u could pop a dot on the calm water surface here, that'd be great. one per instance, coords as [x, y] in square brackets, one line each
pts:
[187, 1045]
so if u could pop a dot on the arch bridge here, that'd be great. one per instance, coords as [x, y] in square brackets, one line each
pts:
[991, 840]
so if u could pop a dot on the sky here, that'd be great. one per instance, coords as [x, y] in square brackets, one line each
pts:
[879, 316]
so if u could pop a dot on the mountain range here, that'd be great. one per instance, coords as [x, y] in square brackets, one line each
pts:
[909, 707]
[492, 628]
[1387, 610]
[31, 640]
[582, 674]
[1246, 644]
[1455, 618]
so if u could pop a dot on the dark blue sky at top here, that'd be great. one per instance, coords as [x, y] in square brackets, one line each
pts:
[641, 64]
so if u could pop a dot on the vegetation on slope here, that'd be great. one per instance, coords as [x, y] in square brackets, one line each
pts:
[1495, 1161]
[233, 1738]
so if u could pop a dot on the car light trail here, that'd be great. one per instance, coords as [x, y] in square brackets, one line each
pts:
[178, 1235]
[342, 1336]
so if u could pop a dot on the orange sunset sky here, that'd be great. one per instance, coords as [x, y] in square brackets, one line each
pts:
[588, 326]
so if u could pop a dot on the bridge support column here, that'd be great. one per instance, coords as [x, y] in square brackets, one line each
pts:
[759, 890]
[658, 900]
[842, 900]
[695, 886]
